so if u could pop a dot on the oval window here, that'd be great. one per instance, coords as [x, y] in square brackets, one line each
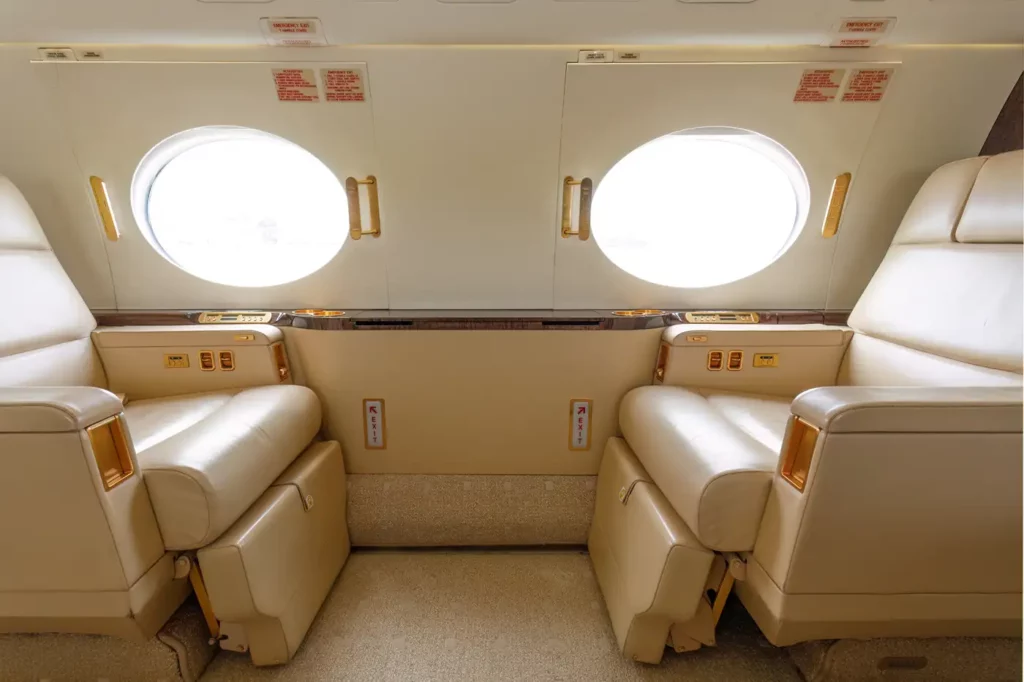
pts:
[700, 207]
[240, 207]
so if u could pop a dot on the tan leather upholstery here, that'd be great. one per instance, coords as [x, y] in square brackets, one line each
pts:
[134, 358]
[46, 339]
[714, 465]
[886, 409]
[650, 566]
[959, 301]
[204, 477]
[74, 552]
[54, 409]
[933, 215]
[993, 214]
[270, 572]
[809, 355]
[79, 557]
[907, 521]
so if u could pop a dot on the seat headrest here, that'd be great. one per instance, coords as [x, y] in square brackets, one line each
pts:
[973, 201]
[19, 228]
[994, 213]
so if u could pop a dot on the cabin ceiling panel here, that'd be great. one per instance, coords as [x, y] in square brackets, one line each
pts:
[549, 22]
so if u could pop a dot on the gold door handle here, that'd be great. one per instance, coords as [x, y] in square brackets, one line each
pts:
[834, 214]
[99, 193]
[355, 221]
[582, 230]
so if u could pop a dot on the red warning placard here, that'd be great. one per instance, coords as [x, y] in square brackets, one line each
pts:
[296, 85]
[819, 85]
[866, 25]
[343, 85]
[853, 42]
[867, 85]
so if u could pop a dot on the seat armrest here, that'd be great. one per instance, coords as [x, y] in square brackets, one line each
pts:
[878, 409]
[55, 409]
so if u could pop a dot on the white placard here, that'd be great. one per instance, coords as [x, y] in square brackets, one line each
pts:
[579, 424]
[374, 424]
[293, 31]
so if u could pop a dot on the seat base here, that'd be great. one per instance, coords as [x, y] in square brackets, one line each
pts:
[136, 613]
[268, 574]
[651, 568]
[787, 619]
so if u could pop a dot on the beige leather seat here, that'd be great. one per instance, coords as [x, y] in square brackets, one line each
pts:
[91, 545]
[886, 501]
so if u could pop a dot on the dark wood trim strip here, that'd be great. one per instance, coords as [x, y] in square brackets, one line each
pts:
[510, 320]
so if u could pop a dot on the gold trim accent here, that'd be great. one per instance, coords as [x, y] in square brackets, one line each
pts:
[722, 317]
[640, 312]
[383, 426]
[111, 451]
[718, 356]
[797, 452]
[318, 312]
[721, 595]
[280, 361]
[737, 356]
[355, 220]
[245, 337]
[176, 361]
[102, 197]
[662, 363]
[208, 317]
[203, 597]
[229, 356]
[586, 186]
[207, 362]
[590, 422]
[834, 213]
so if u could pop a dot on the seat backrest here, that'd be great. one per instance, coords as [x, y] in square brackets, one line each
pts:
[946, 306]
[44, 337]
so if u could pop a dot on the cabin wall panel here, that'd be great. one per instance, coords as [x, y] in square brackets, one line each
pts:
[36, 154]
[472, 402]
[466, 142]
[469, 153]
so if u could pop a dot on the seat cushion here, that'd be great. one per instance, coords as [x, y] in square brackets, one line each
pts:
[206, 458]
[712, 453]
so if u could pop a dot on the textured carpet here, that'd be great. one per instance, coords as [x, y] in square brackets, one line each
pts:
[461, 615]
[404, 510]
[179, 653]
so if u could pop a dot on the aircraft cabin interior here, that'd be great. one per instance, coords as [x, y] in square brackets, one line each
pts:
[501, 340]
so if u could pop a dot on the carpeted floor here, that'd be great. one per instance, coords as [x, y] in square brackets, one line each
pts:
[528, 615]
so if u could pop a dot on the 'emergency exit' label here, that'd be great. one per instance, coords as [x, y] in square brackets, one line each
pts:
[819, 85]
[866, 25]
[293, 31]
[343, 85]
[296, 85]
[374, 426]
[579, 424]
[867, 85]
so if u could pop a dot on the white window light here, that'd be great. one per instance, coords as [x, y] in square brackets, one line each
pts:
[701, 207]
[239, 207]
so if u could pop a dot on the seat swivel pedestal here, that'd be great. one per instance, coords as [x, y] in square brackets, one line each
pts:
[269, 573]
[651, 568]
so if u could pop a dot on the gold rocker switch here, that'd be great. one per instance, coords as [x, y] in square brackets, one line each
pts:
[715, 360]
[227, 360]
[735, 360]
[206, 361]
